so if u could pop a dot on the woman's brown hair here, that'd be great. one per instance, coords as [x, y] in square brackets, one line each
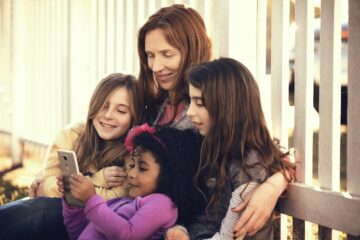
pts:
[185, 30]
[232, 98]
[90, 149]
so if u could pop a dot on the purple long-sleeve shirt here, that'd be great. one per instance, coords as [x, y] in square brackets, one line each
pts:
[122, 218]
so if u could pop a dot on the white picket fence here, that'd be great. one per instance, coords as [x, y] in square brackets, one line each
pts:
[53, 53]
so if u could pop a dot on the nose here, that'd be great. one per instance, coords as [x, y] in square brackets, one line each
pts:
[132, 173]
[190, 112]
[157, 65]
[108, 113]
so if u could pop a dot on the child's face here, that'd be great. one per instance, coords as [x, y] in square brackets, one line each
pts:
[163, 59]
[143, 175]
[114, 117]
[198, 114]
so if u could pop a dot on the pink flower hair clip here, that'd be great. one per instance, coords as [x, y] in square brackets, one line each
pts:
[135, 131]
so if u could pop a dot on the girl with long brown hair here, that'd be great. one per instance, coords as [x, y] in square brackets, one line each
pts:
[237, 148]
[101, 154]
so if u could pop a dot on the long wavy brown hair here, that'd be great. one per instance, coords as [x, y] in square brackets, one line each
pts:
[90, 149]
[231, 96]
[185, 30]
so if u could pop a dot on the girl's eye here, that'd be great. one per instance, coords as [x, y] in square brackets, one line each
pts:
[131, 165]
[122, 111]
[199, 103]
[142, 169]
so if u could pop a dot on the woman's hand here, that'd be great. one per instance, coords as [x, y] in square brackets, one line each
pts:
[81, 187]
[36, 188]
[258, 205]
[176, 233]
[60, 183]
[114, 176]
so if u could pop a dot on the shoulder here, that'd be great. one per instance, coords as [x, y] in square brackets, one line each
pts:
[155, 198]
[254, 170]
[157, 204]
[68, 135]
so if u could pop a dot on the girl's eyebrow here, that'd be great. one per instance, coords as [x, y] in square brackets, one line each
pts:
[196, 98]
[140, 161]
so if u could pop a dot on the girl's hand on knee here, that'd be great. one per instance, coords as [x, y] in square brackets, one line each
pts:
[114, 176]
[81, 187]
[177, 233]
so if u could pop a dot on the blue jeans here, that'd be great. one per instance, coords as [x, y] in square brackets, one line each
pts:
[39, 218]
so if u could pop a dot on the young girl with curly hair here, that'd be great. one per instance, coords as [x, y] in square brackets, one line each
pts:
[237, 151]
[160, 190]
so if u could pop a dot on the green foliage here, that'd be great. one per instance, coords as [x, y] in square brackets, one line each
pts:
[10, 192]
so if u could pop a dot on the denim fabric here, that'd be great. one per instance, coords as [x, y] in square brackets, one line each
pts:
[39, 218]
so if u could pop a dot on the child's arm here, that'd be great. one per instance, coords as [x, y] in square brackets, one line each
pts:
[257, 208]
[74, 218]
[154, 213]
[64, 140]
[229, 221]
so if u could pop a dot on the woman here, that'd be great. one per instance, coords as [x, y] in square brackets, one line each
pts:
[170, 42]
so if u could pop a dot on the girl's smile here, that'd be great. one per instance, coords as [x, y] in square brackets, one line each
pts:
[143, 175]
[114, 117]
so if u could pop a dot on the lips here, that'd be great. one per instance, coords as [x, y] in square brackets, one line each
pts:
[197, 125]
[106, 125]
[164, 78]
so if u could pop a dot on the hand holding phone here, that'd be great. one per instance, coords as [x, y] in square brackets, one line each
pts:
[69, 166]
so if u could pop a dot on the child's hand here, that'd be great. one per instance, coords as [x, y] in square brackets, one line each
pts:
[60, 183]
[36, 188]
[81, 187]
[114, 176]
[176, 233]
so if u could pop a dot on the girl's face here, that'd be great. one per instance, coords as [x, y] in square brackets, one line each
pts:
[114, 117]
[198, 114]
[162, 58]
[143, 175]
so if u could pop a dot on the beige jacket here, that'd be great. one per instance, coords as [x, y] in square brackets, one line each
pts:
[66, 140]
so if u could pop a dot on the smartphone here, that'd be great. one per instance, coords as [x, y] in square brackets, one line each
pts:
[69, 166]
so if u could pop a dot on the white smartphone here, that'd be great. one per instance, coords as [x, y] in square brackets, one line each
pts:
[69, 166]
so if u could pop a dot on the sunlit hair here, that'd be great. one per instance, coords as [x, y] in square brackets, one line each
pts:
[232, 99]
[185, 30]
[177, 153]
[90, 149]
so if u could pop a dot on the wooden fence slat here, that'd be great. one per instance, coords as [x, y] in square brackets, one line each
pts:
[353, 131]
[329, 132]
[303, 131]
[280, 68]
[312, 204]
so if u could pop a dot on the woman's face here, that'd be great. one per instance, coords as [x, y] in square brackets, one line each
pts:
[197, 112]
[162, 58]
[143, 175]
[114, 117]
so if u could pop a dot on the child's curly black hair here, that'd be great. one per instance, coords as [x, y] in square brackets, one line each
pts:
[177, 153]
